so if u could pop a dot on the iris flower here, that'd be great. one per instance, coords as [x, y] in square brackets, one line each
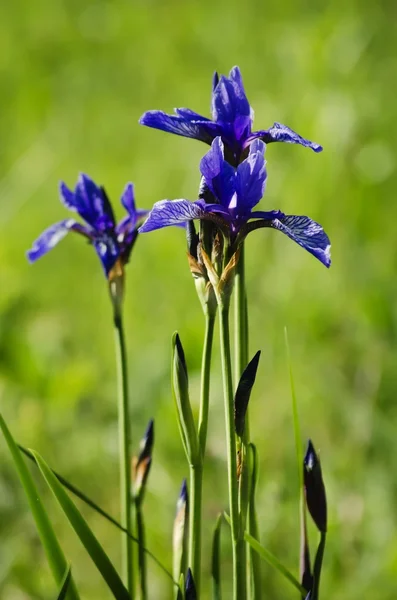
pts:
[237, 192]
[113, 243]
[232, 118]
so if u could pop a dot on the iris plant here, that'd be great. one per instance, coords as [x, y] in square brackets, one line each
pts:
[113, 242]
[232, 119]
[237, 192]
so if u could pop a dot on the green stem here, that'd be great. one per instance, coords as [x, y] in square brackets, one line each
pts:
[318, 563]
[241, 361]
[125, 458]
[140, 530]
[196, 471]
[239, 563]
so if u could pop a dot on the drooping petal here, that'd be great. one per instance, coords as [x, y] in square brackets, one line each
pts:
[108, 250]
[172, 212]
[200, 129]
[218, 174]
[189, 114]
[53, 235]
[251, 178]
[282, 133]
[92, 204]
[308, 234]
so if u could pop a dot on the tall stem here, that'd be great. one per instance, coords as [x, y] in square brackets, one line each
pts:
[196, 471]
[140, 532]
[241, 361]
[125, 459]
[239, 563]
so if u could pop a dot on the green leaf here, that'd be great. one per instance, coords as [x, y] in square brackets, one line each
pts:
[304, 559]
[216, 560]
[87, 538]
[56, 558]
[270, 559]
[65, 584]
[79, 494]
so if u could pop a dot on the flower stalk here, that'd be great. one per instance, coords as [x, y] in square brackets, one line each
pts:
[124, 451]
[239, 562]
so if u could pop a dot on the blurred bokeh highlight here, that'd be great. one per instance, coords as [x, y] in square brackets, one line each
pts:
[75, 77]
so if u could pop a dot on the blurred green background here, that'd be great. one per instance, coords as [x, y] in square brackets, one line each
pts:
[75, 76]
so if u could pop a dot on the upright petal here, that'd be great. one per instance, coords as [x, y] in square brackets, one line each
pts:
[282, 133]
[230, 104]
[52, 236]
[218, 174]
[251, 178]
[182, 124]
[93, 204]
[172, 212]
[308, 234]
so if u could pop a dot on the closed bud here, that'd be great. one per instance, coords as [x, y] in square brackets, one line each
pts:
[243, 393]
[314, 488]
[190, 588]
[180, 386]
[142, 463]
[179, 536]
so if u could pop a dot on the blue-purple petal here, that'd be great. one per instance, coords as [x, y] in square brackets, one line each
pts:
[218, 174]
[282, 133]
[93, 204]
[229, 101]
[108, 250]
[190, 115]
[308, 234]
[52, 236]
[172, 212]
[251, 178]
[200, 129]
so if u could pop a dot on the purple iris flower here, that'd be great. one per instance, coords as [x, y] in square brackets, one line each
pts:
[237, 192]
[113, 243]
[232, 119]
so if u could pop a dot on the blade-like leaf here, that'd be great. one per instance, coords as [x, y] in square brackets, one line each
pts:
[87, 538]
[270, 559]
[56, 558]
[305, 563]
[65, 584]
[79, 494]
[216, 560]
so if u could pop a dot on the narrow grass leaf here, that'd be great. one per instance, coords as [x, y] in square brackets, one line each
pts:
[65, 584]
[87, 538]
[56, 559]
[270, 559]
[216, 560]
[79, 494]
[304, 560]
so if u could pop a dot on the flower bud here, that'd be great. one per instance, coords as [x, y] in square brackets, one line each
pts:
[180, 386]
[243, 393]
[314, 488]
[142, 463]
[179, 536]
[190, 588]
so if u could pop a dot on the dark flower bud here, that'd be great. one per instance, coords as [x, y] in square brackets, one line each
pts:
[190, 588]
[142, 463]
[243, 393]
[179, 536]
[314, 488]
